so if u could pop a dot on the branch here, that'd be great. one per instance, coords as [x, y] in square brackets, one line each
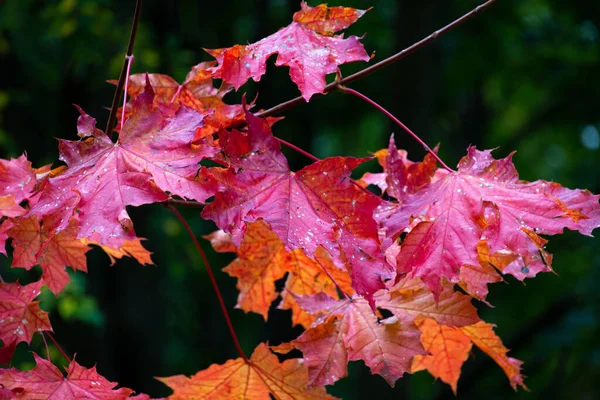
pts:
[397, 121]
[213, 281]
[375, 67]
[119, 91]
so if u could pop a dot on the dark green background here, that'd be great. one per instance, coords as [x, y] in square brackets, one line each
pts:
[522, 76]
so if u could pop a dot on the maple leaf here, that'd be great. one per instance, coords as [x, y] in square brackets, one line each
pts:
[262, 260]
[483, 200]
[352, 332]
[263, 375]
[20, 316]
[316, 206]
[450, 346]
[307, 46]
[449, 349]
[17, 178]
[153, 154]
[45, 381]
[34, 245]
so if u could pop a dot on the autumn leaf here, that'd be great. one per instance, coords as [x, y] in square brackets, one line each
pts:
[34, 245]
[449, 349]
[17, 178]
[45, 381]
[483, 200]
[20, 316]
[351, 331]
[153, 154]
[450, 346]
[262, 260]
[263, 375]
[307, 46]
[316, 206]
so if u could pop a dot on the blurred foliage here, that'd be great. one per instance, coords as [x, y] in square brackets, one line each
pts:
[521, 76]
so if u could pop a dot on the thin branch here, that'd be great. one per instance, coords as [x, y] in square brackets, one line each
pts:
[46, 343]
[115, 103]
[375, 67]
[212, 280]
[183, 203]
[129, 61]
[298, 149]
[397, 121]
[58, 347]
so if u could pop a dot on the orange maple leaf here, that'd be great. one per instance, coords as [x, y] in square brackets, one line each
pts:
[450, 346]
[262, 260]
[33, 245]
[258, 378]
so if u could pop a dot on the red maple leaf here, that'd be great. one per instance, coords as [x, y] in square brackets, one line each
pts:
[258, 378]
[45, 381]
[152, 155]
[307, 46]
[20, 316]
[351, 331]
[17, 178]
[316, 206]
[34, 245]
[484, 200]
[262, 260]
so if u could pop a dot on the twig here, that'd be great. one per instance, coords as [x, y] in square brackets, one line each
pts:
[383, 63]
[129, 61]
[115, 103]
[396, 120]
[58, 347]
[298, 149]
[212, 280]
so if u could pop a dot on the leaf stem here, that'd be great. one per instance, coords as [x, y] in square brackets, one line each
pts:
[58, 347]
[298, 149]
[396, 120]
[383, 63]
[46, 343]
[129, 61]
[212, 280]
[115, 103]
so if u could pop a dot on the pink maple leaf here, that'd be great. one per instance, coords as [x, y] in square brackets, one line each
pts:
[20, 316]
[152, 155]
[485, 200]
[45, 381]
[307, 46]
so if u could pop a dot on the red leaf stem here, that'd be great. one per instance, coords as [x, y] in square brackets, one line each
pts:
[213, 282]
[397, 121]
